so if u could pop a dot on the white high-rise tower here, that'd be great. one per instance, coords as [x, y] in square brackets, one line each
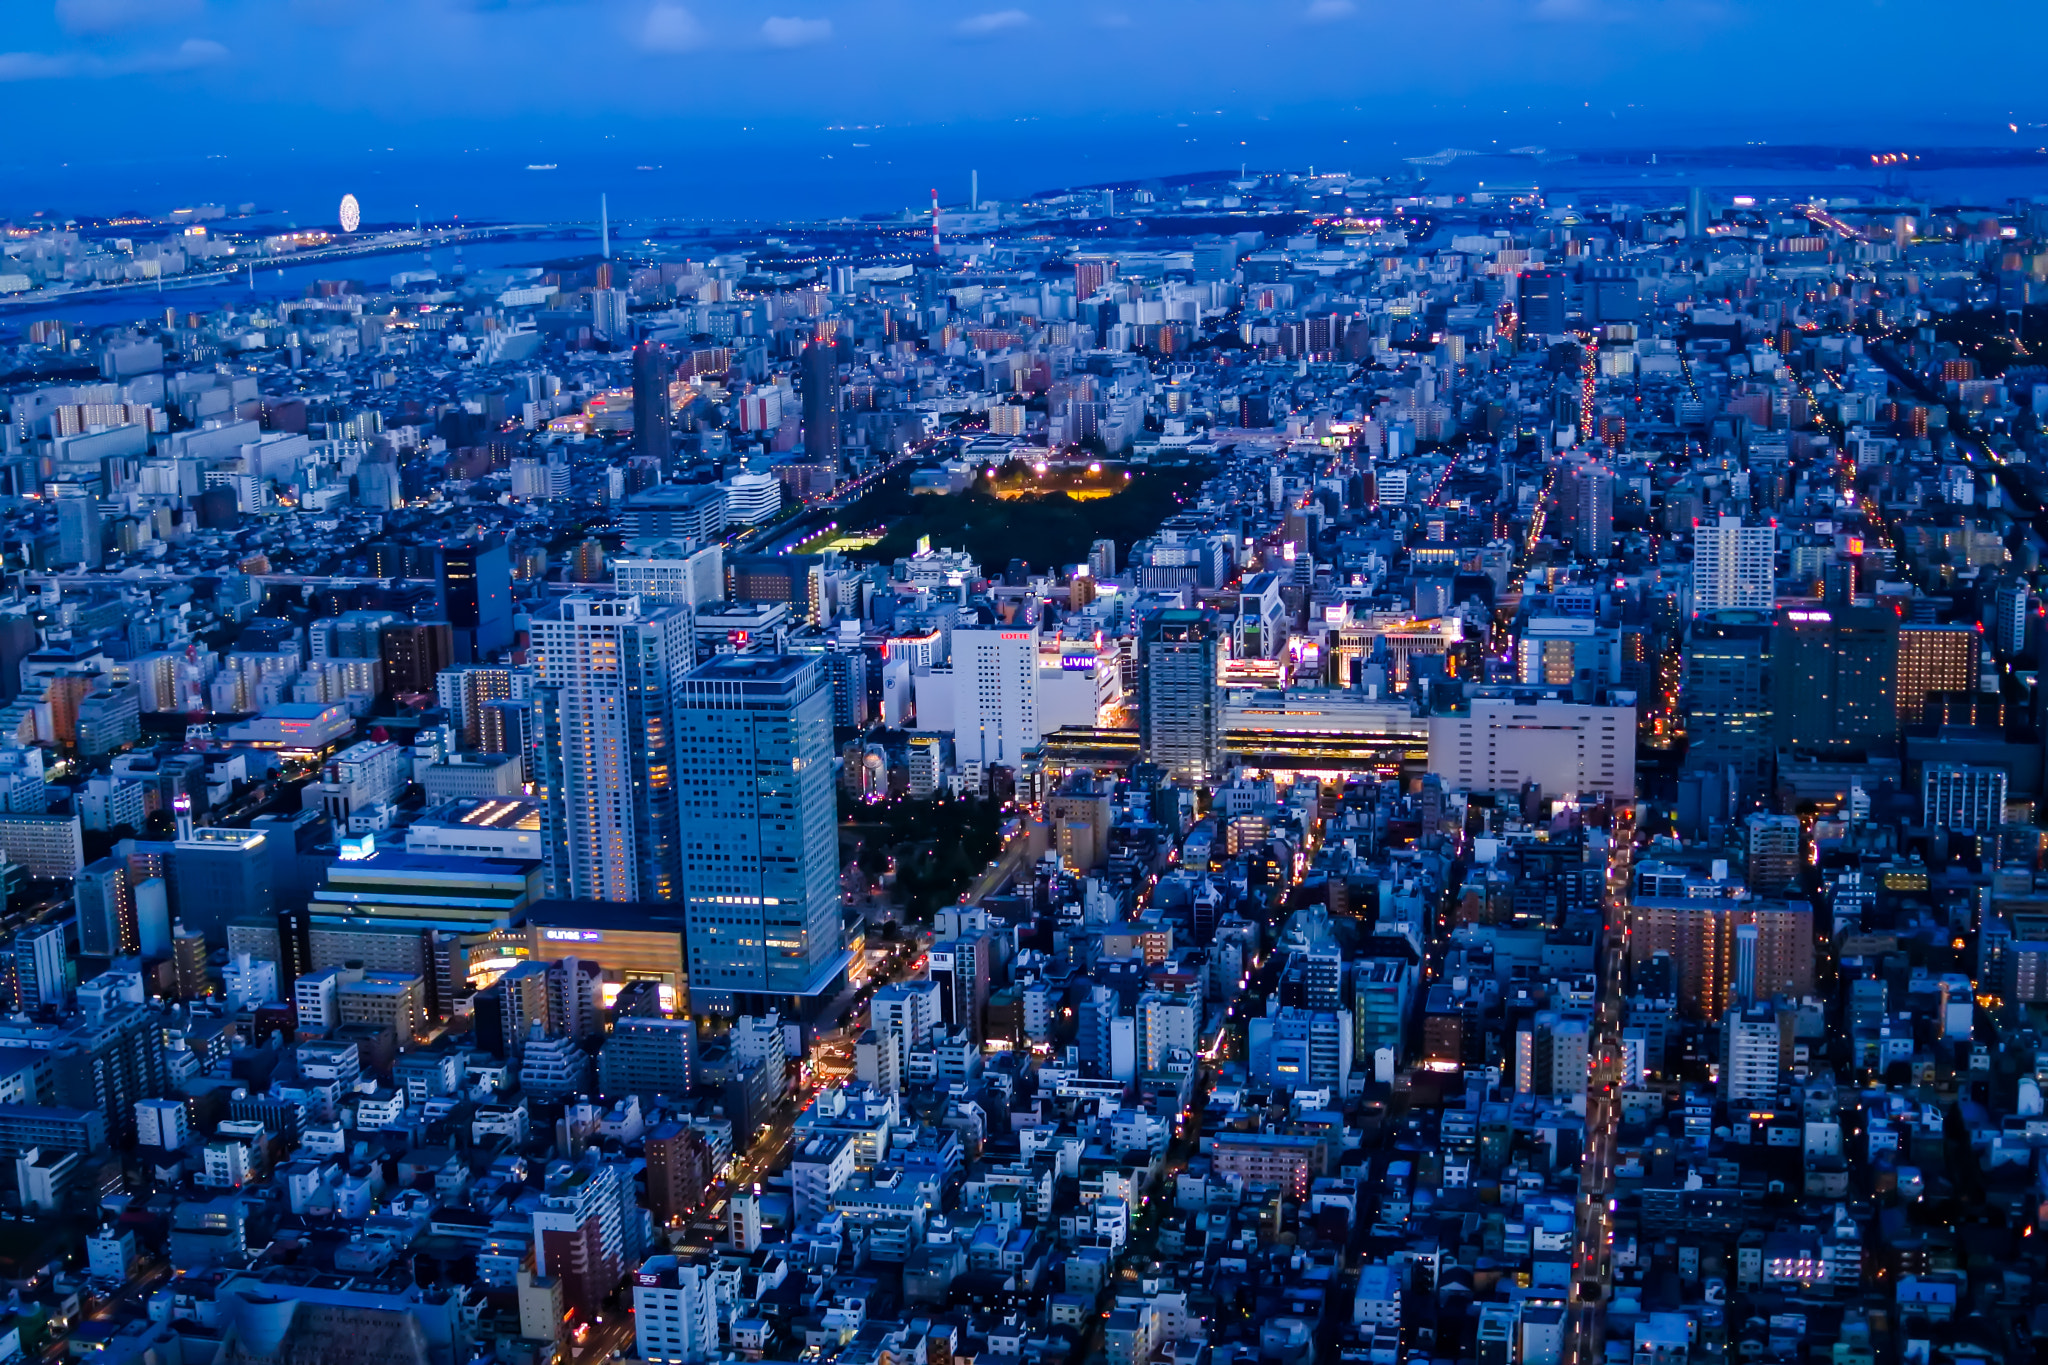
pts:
[1734, 566]
[605, 745]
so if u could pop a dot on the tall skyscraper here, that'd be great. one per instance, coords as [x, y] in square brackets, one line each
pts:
[605, 740]
[1727, 697]
[1831, 678]
[1180, 666]
[2012, 608]
[1585, 505]
[78, 526]
[995, 698]
[821, 403]
[1933, 659]
[1733, 566]
[762, 851]
[1545, 298]
[611, 315]
[41, 966]
[1696, 212]
[105, 903]
[476, 594]
[651, 412]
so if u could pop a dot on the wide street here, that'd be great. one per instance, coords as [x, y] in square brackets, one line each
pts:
[1592, 1263]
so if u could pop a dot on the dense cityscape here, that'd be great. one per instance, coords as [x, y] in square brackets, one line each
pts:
[1265, 766]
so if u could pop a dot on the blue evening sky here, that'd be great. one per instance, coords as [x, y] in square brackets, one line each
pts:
[745, 106]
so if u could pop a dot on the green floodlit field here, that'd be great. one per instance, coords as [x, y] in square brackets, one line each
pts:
[995, 524]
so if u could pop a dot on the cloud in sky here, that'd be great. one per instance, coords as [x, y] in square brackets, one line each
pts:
[781, 32]
[35, 66]
[996, 21]
[671, 28]
[1325, 11]
[43, 66]
[193, 52]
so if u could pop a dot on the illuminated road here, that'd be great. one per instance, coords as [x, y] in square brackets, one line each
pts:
[1592, 1262]
[771, 1143]
[604, 1338]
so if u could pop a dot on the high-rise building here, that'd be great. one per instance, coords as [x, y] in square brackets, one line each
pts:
[673, 579]
[848, 664]
[40, 966]
[105, 902]
[1962, 797]
[1772, 846]
[1754, 1050]
[679, 1171]
[909, 1009]
[1697, 215]
[1180, 709]
[1551, 1053]
[743, 1222]
[1699, 932]
[1734, 566]
[1500, 739]
[1381, 991]
[1831, 678]
[960, 968]
[1585, 505]
[652, 415]
[1727, 698]
[1933, 659]
[995, 698]
[79, 540]
[465, 691]
[107, 1064]
[1299, 1049]
[579, 1231]
[611, 315]
[507, 1009]
[161, 1124]
[221, 875]
[1168, 1023]
[647, 1055]
[414, 652]
[605, 740]
[762, 852]
[2012, 608]
[691, 513]
[1545, 297]
[1568, 651]
[476, 595]
[675, 1312]
[505, 727]
[821, 402]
